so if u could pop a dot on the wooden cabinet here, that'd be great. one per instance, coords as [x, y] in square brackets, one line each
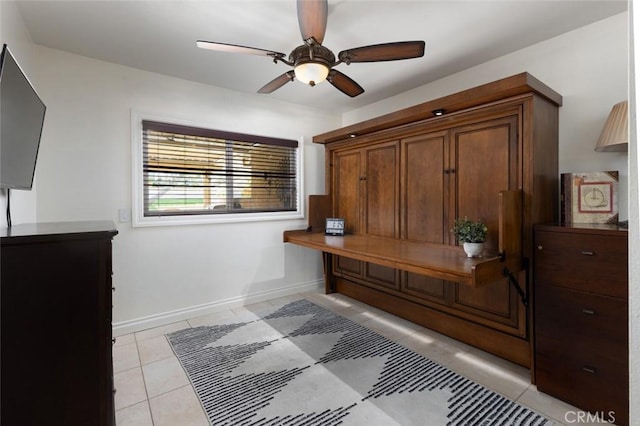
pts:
[456, 173]
[409, 174]
[366, 195]
[581, 317]
[442, 170]
[56, 324]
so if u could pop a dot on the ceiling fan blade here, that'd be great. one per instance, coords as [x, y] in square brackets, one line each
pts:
[383, 52]
[235, 48]
[312, 18]
[278, 82]
[344, 84]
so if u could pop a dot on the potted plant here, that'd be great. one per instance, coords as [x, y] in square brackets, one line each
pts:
[472, 234]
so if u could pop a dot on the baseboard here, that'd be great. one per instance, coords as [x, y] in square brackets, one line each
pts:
[138, 324]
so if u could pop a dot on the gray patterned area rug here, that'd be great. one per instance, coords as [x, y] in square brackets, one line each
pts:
[304, 365]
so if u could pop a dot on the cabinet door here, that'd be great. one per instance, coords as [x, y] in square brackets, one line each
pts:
[423, 198]
[365, 190]
[347, 189]
[484, 161]
[381, 182]
[347, 192]
[380, 212]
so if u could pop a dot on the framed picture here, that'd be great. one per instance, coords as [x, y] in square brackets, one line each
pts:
[595, 197]
[334, 226]
[590, 197]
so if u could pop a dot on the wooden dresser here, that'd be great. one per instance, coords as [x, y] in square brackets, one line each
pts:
[57, 366]
[581, 317]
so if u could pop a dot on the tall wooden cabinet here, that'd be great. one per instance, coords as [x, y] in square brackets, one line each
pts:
[410, 174]
[56, 324]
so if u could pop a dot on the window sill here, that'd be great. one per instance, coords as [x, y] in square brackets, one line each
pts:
[142, 222]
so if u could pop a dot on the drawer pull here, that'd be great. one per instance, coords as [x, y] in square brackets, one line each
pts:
[113, 341]
[588, 369]
[588, 253]
[588, 311]
[540, 247]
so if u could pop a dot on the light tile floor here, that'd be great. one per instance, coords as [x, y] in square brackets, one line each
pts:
[153, 389]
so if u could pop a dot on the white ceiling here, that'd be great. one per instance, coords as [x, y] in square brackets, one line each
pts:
[160, 36]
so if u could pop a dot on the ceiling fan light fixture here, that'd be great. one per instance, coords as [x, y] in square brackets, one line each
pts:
[313, 63]
[311, 73]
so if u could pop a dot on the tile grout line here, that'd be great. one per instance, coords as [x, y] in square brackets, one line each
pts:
[146, 392]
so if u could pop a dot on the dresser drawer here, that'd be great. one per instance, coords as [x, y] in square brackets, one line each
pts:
[577, 318]
[581, 360]
[603, 388]
[583, 261]
[581, 350]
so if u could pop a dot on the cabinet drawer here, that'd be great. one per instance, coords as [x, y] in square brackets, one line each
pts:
[581, 357]
[574, 317]
[602, 388]
[583, 261]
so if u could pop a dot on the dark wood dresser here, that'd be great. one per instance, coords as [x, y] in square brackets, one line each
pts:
[56, 365]
[581, 317]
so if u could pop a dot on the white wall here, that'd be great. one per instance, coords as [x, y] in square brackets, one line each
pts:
[588, 67]
[165, 273]
[14, 33]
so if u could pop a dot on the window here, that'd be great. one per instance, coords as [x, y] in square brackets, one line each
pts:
[196, 172]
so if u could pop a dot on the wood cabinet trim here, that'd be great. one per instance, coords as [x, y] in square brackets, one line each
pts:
[503, 108]
[481, 95]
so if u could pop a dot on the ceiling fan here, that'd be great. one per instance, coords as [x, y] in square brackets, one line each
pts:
[312, 62]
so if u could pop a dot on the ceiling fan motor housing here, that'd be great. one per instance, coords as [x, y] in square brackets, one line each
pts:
[312, 53]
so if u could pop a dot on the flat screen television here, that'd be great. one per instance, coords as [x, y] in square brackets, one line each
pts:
[21, 121]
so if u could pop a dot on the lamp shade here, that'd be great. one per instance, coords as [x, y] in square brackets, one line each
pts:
[615, 134]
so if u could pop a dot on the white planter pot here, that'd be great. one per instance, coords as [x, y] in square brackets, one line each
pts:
[473, 249]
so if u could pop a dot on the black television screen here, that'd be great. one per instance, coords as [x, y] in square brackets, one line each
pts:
[21, 120]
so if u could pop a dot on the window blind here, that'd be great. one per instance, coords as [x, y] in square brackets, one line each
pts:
[190, 170]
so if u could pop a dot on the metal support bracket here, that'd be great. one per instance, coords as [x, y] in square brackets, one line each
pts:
[512, 279]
